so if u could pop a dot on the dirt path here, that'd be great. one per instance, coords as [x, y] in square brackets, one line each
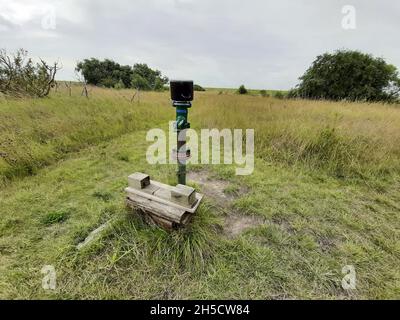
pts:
[215, 190]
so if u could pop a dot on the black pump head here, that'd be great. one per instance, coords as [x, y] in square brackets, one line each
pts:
[181, 90]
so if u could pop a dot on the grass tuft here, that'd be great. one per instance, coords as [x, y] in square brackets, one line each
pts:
[55, 217]
[103, 195]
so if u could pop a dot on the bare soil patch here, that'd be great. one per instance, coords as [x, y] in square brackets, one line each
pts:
[234, 223]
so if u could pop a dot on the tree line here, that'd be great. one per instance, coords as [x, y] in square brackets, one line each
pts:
[342, 75]
[110, 74]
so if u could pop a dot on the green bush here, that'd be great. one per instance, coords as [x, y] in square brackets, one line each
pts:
[109, 82]
[279, 95]
[349, 75]
[119, 85]
[110, 74]
[20, 77]
[242, 90]
[145, 78]
[264, 93]
[197, 87]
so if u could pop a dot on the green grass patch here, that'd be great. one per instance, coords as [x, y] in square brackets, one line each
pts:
[103, 195]
[55, 217]
[325, 193]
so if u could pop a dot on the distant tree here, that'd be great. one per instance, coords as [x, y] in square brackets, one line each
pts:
[349, 75]
[108, 82]
[125, 75]
[110, 74]
[264, 93]
[21, 77]
[145, 78]
[160, 84]
[197, 87]
[105, 73]
[279, 95]
[293, 93]
[140, 82]
[242, 89]
[119, 85]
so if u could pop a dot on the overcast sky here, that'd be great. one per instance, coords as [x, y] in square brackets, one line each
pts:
[219, 43]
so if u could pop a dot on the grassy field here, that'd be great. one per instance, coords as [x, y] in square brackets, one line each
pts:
[250, 92]
[325, 193]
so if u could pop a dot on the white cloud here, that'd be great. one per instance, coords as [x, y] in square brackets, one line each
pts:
[261, 43]
[18, 13]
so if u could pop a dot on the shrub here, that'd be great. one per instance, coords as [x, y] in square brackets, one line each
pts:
[197, 87]
[264, 93]
[145, 78]
[293, 93]
[349, 75]
[242, 90]
[119, 85]
[20, 77]
[279, 95]
[108, 82]
[105, 73]
[110, 74]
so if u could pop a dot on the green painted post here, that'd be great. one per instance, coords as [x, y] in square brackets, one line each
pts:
[182, 124]
[181, 95]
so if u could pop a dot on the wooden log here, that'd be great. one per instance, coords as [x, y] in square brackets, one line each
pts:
[161, 222]
[153, 219]
[166, 212]
[150, 218]
[165, 201]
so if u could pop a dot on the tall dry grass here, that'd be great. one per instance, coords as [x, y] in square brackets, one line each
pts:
[37, 132]
[347, 139]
